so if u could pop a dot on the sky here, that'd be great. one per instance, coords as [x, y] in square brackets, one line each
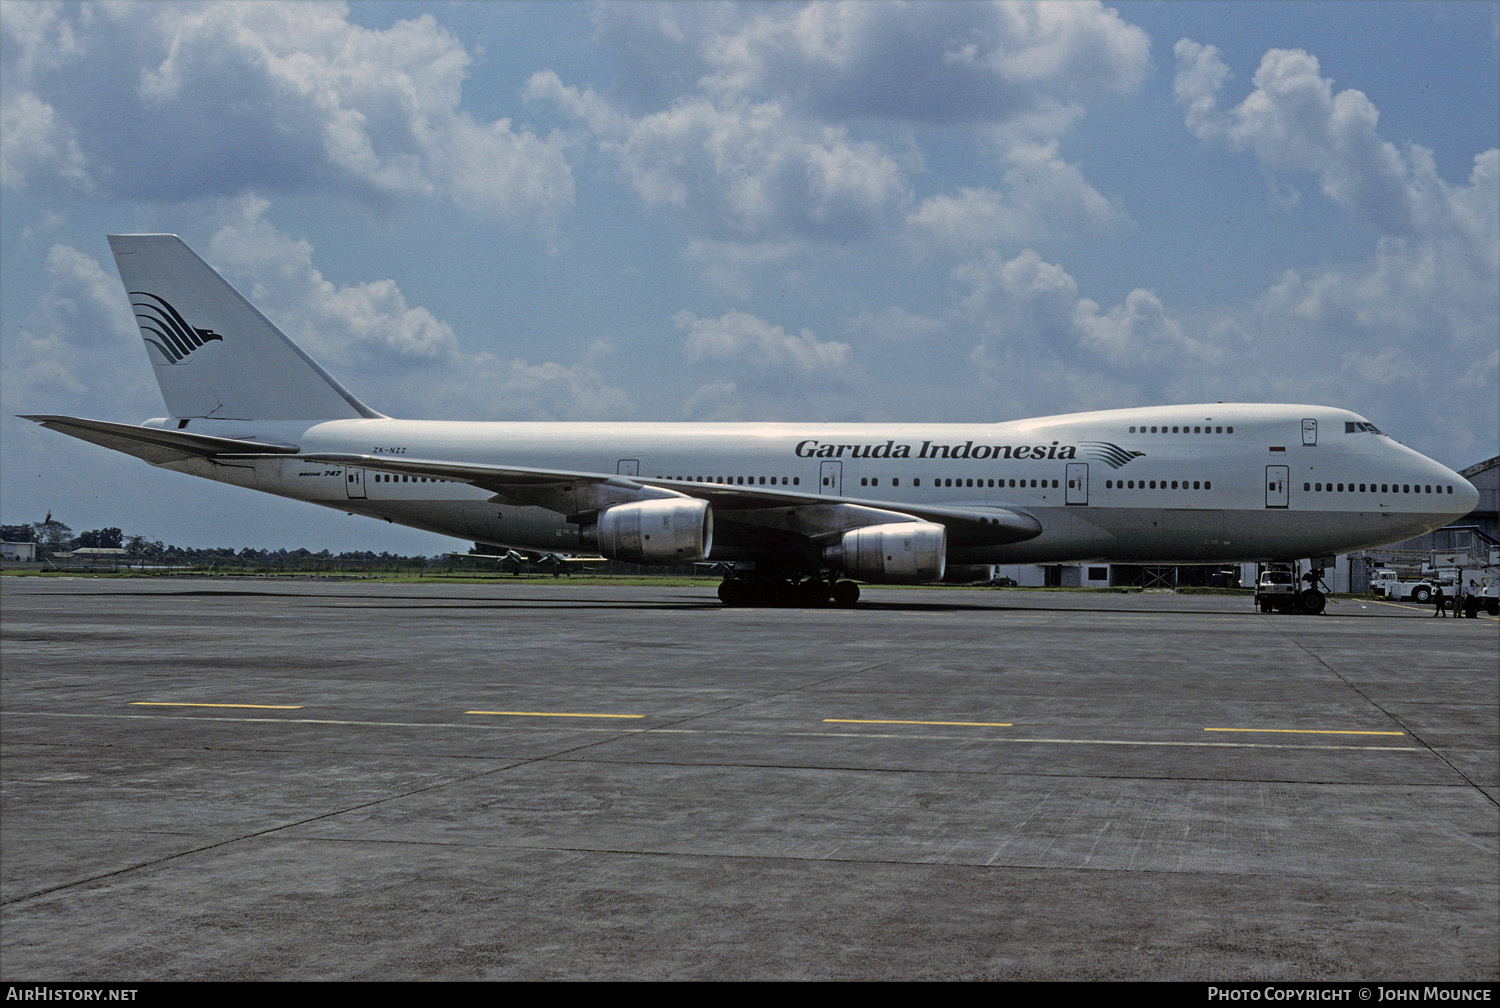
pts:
[861, 211]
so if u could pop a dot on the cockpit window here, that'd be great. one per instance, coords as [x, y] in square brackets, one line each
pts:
[1360, 427]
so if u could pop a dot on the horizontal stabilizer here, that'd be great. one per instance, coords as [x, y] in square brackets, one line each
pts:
[154, 445]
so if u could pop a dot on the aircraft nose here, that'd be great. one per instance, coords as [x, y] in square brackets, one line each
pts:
[1465, 495]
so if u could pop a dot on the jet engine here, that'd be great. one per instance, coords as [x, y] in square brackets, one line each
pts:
[678, 530]
[899, 552]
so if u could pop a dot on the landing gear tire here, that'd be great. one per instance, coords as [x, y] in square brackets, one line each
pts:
[845, 593]
[734, 592]
[810, 593]
[1311, 602]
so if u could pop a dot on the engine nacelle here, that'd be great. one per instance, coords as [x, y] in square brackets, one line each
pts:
[897, 552]
[676, 530]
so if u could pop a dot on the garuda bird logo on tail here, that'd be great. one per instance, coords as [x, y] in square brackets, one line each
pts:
[174, 338]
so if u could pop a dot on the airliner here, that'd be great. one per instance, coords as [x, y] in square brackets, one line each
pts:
[796, 513]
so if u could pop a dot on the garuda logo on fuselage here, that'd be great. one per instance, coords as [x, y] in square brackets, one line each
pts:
[173, 336]
[1109, 453]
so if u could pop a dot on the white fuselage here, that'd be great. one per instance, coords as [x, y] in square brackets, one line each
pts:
[1172, 484]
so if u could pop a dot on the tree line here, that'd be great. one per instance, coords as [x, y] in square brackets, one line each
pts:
[52, 537]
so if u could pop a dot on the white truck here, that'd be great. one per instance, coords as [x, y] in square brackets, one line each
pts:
[1389, 584]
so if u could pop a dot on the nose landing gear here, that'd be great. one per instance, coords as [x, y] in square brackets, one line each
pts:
[1276, 589]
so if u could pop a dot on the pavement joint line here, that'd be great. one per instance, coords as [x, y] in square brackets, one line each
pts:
[1364, 695]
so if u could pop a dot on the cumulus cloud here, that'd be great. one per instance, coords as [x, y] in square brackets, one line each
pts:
[37, 144]
[367, 324]
[1422, 310]
[399, 357]
[977, 62]
[742, 171]
[750, 344]
[1294, 121]
[766, 124]
[75, 350]
[1042, 197]
[496, 388]
[215, 99]
[1029, 303]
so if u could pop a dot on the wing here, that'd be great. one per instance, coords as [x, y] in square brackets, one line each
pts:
[751, 515]
[765, 514]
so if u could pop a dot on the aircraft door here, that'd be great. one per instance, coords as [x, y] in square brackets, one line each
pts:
[1078, 483]
[354, 483]
[831, 478]
[628, 467]
[1309, 432]
[1278, 479]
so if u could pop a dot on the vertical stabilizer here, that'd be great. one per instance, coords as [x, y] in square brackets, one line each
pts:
[214, 354]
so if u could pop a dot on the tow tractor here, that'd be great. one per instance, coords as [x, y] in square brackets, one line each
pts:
[1389, 584]
[1279, 588]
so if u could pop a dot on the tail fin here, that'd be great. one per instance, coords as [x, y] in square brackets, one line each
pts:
[214, 354]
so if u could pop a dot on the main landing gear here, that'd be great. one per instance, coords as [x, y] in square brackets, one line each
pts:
[753, 589]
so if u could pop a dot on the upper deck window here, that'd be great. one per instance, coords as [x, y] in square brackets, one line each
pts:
[1184, 429]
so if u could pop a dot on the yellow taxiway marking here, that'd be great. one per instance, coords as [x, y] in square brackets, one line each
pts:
[968, 724]
[1309, 731]
[528, 713]
[1364, 749]
[254, 706]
